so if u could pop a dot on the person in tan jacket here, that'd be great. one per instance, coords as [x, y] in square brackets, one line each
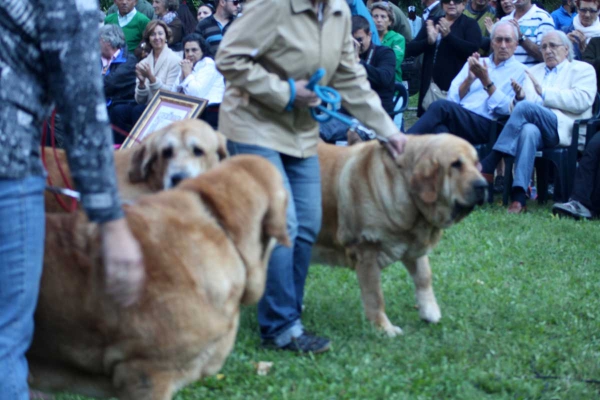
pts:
[267, 57]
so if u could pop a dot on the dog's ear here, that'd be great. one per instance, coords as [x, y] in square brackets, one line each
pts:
[141, 162]
[222, 146]
[425, 180]
[274, 224]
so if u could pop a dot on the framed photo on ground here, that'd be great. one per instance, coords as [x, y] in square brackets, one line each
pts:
[165, 108]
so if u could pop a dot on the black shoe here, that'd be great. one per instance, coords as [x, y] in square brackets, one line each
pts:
[499, 184]
[302, 344]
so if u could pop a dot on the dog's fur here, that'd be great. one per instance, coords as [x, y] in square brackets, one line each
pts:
[206, 246]
[378, 210]
[184, 149]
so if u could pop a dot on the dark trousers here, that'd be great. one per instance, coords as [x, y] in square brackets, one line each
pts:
[124, 116]
[444, 116]
[586, 188]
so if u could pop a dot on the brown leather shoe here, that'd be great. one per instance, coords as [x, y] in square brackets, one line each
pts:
[488, 177]
[516, 208]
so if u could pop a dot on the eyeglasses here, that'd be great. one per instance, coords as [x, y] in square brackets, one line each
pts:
[359, 39]
[234, 2]
[587, 11]
[452, 1]
[507, 40]
[553, 46]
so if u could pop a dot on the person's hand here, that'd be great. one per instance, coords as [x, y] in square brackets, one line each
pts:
[139, 73]
[304, 96]
[519, 92]
[536, 84]
[432, 32]
[396, 143]
[479, 69]
[489, 24]
[124, 271]
[516, 24]
[357, 47]
[443, 26]
[578, 37]
[186, 68]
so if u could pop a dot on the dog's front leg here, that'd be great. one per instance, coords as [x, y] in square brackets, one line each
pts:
[369, 279]
[420, 271]
[135, 380]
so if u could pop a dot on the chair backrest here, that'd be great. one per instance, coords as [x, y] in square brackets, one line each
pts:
[400, 92]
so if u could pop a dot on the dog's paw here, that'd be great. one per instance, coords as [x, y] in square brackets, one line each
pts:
[430, 313]
[393, 331]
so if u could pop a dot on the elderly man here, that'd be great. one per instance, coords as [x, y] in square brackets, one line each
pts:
[118, 66]
[480, 93]
[130, 20]
[213, 28]
[531, 22]
[558, 92]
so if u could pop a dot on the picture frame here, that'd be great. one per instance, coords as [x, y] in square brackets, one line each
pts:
[165, 108]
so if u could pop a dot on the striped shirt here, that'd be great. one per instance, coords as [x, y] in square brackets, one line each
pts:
[532, 25]
[212, 30]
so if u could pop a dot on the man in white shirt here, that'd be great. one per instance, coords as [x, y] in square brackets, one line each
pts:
[558, 92]
[532, 22]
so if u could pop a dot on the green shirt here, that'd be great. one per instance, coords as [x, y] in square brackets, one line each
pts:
[133, 30]
[396, 42]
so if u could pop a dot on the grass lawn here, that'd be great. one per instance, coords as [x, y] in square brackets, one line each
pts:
[519, 298]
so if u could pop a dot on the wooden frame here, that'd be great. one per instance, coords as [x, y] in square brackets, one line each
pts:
[164, 108]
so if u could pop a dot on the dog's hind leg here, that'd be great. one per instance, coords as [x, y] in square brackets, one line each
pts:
[420, 271]
[369, 279]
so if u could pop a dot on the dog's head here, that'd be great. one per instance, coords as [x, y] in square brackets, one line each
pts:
[184, 149]
[247, 196]
[445, 178]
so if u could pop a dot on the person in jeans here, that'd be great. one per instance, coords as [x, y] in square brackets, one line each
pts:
[584, 202]
[52, 66]
[266, 111]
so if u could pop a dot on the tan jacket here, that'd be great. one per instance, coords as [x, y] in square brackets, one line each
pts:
[279, 39]
[166, 70]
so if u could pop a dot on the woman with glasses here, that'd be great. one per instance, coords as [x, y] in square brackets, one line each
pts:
[166, 10]
[384, 18]
[446, 43]
[585, 26]
[267, 58]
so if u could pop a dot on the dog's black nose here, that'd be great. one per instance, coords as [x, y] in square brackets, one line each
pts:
[175, 179]
[480, 188]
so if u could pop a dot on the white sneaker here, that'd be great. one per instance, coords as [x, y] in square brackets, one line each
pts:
[573, 209]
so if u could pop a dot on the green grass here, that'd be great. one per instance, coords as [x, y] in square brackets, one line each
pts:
[519, 298]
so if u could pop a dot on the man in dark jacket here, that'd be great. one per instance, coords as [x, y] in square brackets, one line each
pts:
[213, 28]
[118, 66]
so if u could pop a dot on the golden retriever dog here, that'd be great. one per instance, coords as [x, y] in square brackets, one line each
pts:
[378, 210]
[181, 150]
[206, 244]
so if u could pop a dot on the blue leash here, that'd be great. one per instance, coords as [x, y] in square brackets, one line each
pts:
[331, 103]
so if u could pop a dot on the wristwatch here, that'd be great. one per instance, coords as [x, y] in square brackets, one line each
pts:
[488, 87]
[521, 39]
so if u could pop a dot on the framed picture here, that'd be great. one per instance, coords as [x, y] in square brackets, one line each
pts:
[164, 108]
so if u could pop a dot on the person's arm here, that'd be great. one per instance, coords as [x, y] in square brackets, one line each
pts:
[463, 48]
[459, 88]
[199, 84]
[121, 81]
[419, 44]
[173, 70]
[533, 47]
[580, 96]
[591, 55]
[142, 89]
[238, 52]
[382, 74]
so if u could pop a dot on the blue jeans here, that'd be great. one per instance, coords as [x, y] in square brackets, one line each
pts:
[280, 308]
[530, 128]
[22, 227]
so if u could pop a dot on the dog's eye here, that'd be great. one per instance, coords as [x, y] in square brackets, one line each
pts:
[198, 152]
[456, 164]
[168, 152]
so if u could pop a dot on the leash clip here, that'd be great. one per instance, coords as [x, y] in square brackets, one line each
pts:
[65, 192]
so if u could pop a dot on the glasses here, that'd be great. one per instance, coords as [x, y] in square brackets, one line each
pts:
[234, 2]
[587, 11]
[507, 40]
[552, 46]
[359, 40]
[452, 1]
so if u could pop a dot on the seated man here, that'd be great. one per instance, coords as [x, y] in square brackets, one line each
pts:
[380, 64]
[545, 119]
[585, 199]
[118, 66]
[480, 93]
[130, 20]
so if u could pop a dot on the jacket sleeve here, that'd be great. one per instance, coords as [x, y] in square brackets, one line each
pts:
[199, 84]
[591, 55]
[71, 55]
[419, 44]
[382, 74]
[173, 69]
[142, 95]
[464, 48]
[350, 80]
[121, 81]
[580, 96]
[239, 50]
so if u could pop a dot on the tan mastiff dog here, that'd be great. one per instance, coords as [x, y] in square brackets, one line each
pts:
[183, 149]
[206, 245]
[378, 210]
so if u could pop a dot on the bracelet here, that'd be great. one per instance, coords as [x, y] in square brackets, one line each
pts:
[521, 39]
[290, 104]
[488, 87]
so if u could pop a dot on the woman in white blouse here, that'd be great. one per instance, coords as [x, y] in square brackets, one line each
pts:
[199, 76]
